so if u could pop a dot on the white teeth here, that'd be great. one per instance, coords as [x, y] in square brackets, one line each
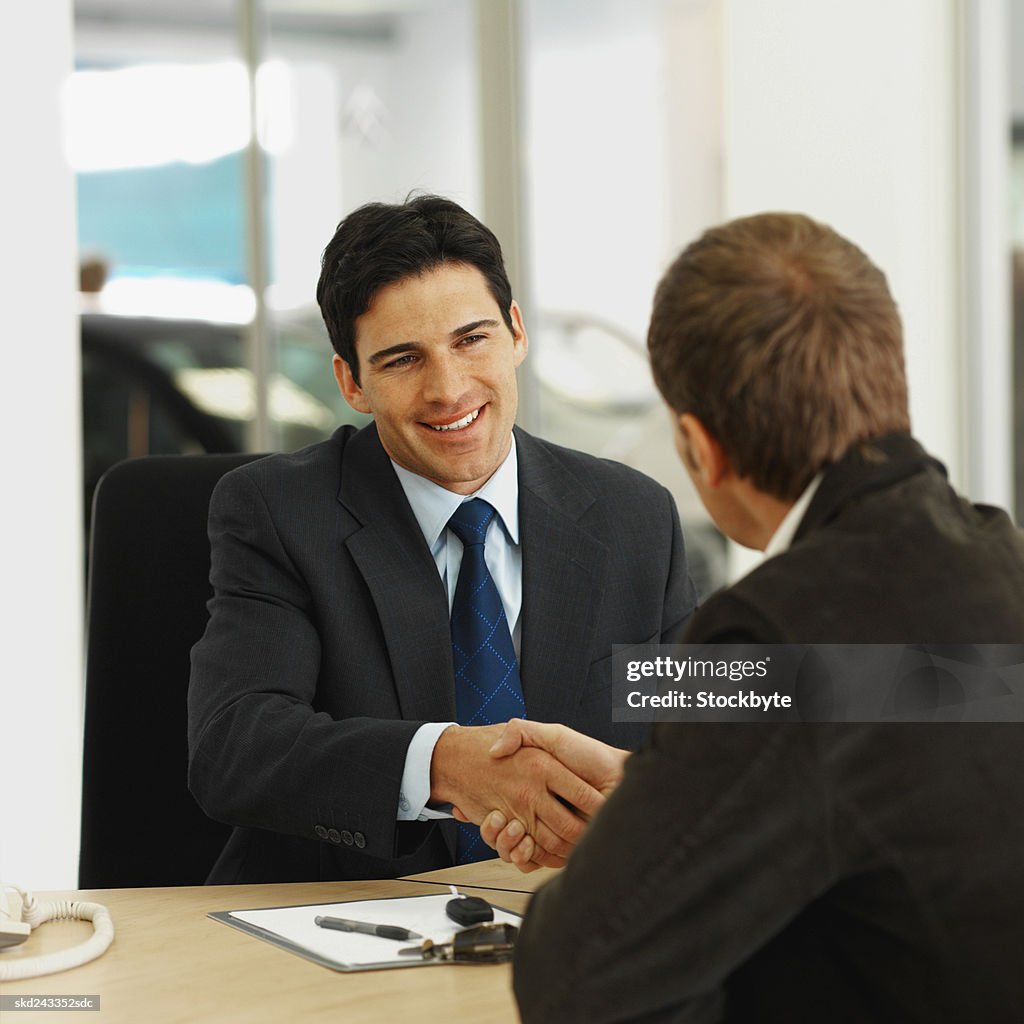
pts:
[459, 424]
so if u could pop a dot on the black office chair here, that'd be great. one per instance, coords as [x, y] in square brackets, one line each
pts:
[148, 588]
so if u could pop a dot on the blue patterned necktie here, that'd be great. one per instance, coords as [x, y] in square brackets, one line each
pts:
[487, 687]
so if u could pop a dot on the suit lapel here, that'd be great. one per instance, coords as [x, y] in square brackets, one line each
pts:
[563, 575]
[390, 552]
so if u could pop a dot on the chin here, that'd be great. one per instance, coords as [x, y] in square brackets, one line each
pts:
[471, 475]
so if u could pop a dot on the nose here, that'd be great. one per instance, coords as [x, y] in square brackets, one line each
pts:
[444, 383]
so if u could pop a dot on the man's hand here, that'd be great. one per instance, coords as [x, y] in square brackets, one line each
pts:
[595, 762]
[527, 784]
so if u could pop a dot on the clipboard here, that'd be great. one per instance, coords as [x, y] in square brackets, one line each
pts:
[292, 928]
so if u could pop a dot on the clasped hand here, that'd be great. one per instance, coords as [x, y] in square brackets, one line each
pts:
[531, 786]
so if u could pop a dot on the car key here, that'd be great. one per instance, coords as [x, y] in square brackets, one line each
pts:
[468, 910]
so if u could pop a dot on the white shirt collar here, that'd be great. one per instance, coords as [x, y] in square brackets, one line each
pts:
[433, 505]
[785, 531]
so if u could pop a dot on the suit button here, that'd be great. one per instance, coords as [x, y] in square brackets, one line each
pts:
[346, 837]
[320, 831]
[360, 840]
[332, 834]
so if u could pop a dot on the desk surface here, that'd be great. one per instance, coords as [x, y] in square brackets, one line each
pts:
[170, 963]
[487, 874]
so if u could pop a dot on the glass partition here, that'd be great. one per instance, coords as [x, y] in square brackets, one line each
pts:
[622, 143]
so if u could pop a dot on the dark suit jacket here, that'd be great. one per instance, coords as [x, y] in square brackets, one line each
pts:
[329, 644]
[811, 873]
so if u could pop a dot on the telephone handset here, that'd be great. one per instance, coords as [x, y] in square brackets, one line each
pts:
[16, 922]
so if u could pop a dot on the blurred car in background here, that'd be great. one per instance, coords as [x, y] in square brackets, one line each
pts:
[153, 385]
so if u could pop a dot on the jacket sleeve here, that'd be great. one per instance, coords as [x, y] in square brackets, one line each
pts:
[259, 754]
[680, 592]
[679, 879]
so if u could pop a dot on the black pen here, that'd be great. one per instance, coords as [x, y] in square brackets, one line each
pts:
[385, 931]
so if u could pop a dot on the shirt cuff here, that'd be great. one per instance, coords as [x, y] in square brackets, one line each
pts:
[415, 791]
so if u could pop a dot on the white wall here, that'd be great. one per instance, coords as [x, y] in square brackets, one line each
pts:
[40, 514]
[1016, 19]
[987, 280]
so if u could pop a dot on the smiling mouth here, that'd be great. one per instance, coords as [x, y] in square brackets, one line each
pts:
[458, 424]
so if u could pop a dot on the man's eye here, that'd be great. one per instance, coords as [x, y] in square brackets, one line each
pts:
[400, 361]
[473, 338]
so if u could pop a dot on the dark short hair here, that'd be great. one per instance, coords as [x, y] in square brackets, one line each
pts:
[782, 338]
[381, 243]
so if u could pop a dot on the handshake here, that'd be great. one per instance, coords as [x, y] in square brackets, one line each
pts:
[530, 786]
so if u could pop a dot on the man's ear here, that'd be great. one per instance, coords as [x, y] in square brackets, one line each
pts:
[350, 390]
[520, 342]
[700, 450]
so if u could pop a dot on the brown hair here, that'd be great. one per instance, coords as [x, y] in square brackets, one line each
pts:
[781, 337]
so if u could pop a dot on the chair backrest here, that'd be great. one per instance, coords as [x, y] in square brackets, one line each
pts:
[148, 588]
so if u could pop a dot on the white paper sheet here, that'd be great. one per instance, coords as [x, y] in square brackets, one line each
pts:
[295, 928]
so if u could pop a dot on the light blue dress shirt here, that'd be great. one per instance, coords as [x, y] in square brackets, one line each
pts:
[433, 506]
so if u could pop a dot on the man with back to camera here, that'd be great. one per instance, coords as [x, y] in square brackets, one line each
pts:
[800, 872]
[349, 574]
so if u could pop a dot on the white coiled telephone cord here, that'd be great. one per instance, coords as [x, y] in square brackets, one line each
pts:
[34, 913]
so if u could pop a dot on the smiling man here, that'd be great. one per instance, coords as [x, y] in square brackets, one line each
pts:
[444, 396]
[386, 600]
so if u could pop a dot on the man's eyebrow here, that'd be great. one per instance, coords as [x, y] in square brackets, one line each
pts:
[472, 326]
[392, 350]
[414, 346]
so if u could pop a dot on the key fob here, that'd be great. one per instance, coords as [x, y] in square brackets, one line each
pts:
[467, 910]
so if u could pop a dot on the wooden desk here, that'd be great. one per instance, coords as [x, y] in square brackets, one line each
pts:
[171, 963]
[488, 874]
